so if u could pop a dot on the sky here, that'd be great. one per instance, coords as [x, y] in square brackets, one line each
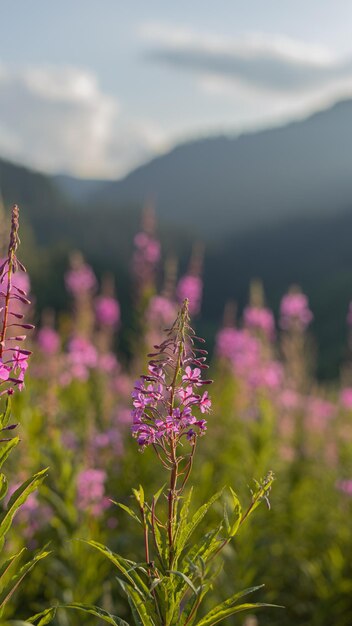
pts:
[94, 88]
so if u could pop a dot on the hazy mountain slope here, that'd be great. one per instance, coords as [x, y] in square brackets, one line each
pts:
[42, 203]
[223, 183]
[79, 189]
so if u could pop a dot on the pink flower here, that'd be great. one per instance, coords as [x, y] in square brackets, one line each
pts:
[80, 280]
[161, 311]
[4, 371]
[259, 318]
[107, 310]
[294, 309]
[346, 398]
[205, 403]
[345, 486]
[48, 340]
[91, 491]
[192, 376]
[190, 287]
[19, 360]
[163, 404]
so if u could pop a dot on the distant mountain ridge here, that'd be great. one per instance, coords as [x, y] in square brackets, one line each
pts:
[274, 204]
[224, 184]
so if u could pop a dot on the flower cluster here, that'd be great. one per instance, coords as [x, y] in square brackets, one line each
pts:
[48, 340]
[247, 358]
[166, 399]
[91, 491]
[107, 311]
[259, 318]
[191, 287]
[295, 311]
[80, 278]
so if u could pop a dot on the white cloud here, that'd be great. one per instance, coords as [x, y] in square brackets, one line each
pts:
[257, 64]
[58, 119]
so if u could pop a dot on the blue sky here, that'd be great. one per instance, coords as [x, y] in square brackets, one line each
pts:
[95, 87]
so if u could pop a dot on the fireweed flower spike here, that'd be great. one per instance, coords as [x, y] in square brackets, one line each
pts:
[165, 399]
[13, 359]
[13, 364]
[169, 409]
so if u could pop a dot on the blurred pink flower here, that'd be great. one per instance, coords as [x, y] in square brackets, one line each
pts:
[190, 287]
[91, 491]
[48, 340]
[294, 309]
[107, 310]
[80, 280]
[345, 486]
[161, 311]
[259, 318]
[346, 398]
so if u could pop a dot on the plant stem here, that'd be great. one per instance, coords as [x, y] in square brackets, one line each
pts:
[6, 307]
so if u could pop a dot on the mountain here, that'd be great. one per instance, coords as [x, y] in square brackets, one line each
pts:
[79, 190]
[222, 184]
[274, 204]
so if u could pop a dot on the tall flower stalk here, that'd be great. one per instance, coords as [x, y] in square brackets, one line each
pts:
[179, 567]
[13, 364]
[165, 401]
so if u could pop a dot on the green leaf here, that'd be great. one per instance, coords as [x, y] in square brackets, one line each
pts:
[15, 622]
[230, 607]
[128, 510]
[6, 448]
[4, 569]
[207, 545]
[215, 617]
[5, 416]
[139, 495]
[45, 617]
[237, 512]
[158, 493]
[186, 580]
[182, 521]
[97, 612]
[4, 485]
[123, 566]
[141, 615]
[16, 580]
[18, 498]
[195, 521]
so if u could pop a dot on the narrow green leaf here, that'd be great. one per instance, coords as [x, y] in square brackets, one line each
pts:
[139, 495]
[4, 485]
[127, 510]
[123, 566]
[229, 607]
[97, 612]
[45, 617]
[140, 613]
[195, 521]
[5, 416]
[186, 579]
[237, 513]
[182, 521]
[206, 546]
[158, 493]
[18, 498]
[15, 622]
[215, 617]
[6, 448]
[4, 569]
[16, 580]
